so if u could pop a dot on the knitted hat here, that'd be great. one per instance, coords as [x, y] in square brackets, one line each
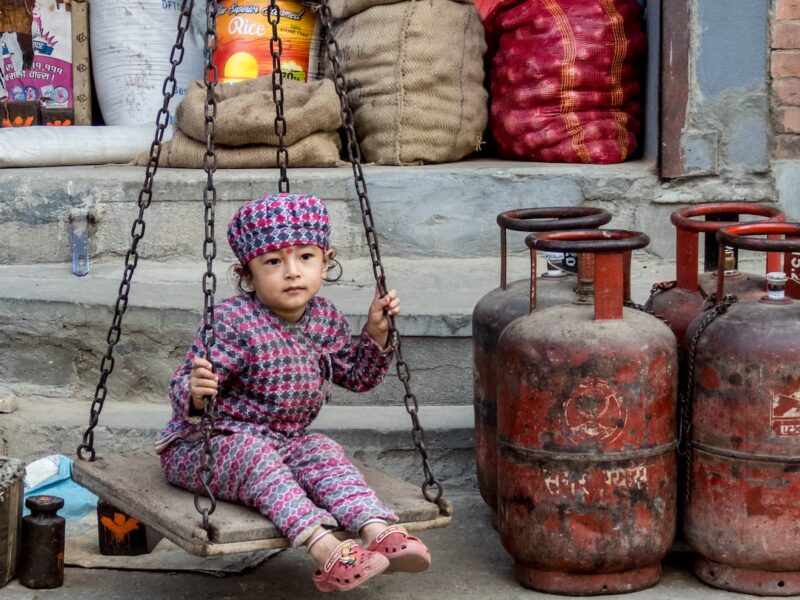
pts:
[277, 221]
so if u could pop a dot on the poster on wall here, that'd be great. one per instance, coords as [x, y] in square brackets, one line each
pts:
[36, 51]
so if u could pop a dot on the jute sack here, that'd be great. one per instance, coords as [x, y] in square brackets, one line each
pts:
[415, 80]
[319, 149]
[341, 9]
[246, 111]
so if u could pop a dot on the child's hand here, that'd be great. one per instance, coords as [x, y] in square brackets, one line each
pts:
[377, 324]
[202, 382]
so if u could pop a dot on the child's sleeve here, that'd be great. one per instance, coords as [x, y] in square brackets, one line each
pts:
[228, 357]
[361, 364]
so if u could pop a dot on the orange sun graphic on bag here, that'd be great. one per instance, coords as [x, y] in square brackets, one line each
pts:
[241, 65]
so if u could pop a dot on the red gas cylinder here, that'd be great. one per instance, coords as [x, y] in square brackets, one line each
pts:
[792, 268]
[586, 433]
[683, 302]
[743, 506]
[504, 304]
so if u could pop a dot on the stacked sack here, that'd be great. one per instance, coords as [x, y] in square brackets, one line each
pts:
[415, 77]
[566, 79]
[245, 135]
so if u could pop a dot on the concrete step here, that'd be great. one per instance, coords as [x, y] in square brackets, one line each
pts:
[54, 325]
[378, 435]
[433, 211]
[441, 210]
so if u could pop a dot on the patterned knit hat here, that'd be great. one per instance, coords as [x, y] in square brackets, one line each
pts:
[276, 221]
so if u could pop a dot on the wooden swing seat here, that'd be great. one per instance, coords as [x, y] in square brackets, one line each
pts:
[135, 484]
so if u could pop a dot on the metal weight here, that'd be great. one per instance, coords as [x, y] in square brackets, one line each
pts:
[42, 551]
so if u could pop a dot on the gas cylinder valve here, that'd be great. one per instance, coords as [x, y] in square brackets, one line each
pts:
[730, 261]
[776, 286]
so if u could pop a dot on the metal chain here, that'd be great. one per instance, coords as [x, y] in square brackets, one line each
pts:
[209, 253]
[431, 488]
[276, 49]
[169, 89]
[645, 308]
[658, 288]
[686, 399]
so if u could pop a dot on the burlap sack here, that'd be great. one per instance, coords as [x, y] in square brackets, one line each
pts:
[319, 149]
[415, 80]
[246, 111]
[341, 9]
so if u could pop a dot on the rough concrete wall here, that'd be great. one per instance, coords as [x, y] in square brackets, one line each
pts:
[727, 114]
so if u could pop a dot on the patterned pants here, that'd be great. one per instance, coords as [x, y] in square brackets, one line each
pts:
[298, 483]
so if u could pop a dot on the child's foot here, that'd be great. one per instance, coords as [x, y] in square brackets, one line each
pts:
[348, 566]
[404, 551]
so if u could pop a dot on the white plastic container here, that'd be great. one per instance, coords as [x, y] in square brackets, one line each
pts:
[131, 45]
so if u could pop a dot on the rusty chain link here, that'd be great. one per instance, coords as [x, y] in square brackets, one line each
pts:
[686, 399]
[209, 253]
[169, 89]
[431, 488]
[658, 288]
[647, 310]
[276, 49]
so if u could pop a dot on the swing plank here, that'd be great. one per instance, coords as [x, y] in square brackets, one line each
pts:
[136, 485]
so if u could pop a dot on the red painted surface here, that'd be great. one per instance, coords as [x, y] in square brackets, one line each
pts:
[759, 583]
[490, 317]
[586, 434]
[791, 266]
[500, 307]
[743, 517]
[683, 303]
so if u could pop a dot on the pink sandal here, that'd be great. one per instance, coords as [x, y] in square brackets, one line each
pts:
[404, 551]
[348, 566]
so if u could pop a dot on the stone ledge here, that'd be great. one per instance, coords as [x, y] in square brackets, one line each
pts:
[437, 295]
[121, 183]
[428, 211]
[151, 417]
[53, 325]
[379, 435]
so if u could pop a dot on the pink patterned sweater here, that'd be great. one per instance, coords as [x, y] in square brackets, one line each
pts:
[273, 375]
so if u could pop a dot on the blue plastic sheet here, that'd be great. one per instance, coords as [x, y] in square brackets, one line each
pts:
[52, 476]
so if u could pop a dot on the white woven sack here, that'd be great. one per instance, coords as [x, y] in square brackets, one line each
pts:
[131, 45]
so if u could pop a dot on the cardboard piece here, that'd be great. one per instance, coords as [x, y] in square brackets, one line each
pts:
[19, 114]
[57, 117]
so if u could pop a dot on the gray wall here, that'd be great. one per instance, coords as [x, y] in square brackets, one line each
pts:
[727, 122]
[652, 12]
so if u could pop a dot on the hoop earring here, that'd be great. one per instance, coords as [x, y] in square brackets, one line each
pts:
[335, 266]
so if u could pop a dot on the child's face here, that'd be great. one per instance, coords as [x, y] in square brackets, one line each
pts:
[286, 279]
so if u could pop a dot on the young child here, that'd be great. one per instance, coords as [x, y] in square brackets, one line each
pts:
[277, 350]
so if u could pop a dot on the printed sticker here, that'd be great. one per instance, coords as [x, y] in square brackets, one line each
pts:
[785, 417]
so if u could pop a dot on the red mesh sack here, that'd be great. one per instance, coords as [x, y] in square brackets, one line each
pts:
[566, 79]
